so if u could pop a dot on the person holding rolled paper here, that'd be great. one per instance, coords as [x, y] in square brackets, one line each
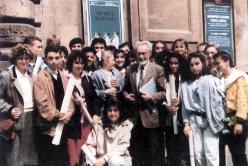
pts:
[176, 142]
[107, 81]
[79, 127]
[110, 139]
[49, 89]
[202, 111]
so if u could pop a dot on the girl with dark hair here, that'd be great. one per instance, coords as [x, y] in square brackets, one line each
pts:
[236, 90]
[158, 47]
[109, 140]
[78, 127]
[90, 61]
[202, 111]
[176, 143]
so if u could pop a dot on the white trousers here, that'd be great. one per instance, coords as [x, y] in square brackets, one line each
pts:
[206, 144]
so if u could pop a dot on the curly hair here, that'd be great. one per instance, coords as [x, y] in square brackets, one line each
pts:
[18, 51]
[109, 103]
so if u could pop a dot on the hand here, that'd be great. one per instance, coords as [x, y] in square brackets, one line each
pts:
[130, 97]
[146, 97]
[172, 109]
[100, 162]
[64, 118]
[175, 102]
[111, 92]
[114, 83]
[16, 113]
[77, 99]
[238, 129]
[187, 130]
[95, 120]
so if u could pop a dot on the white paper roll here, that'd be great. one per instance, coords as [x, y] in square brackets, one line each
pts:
[85, 110]
[191, 149]
[37, 65]
[64, 109]
[173, 95]
[88, 154]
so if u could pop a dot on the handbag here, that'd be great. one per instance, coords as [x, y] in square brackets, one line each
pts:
[7, 129]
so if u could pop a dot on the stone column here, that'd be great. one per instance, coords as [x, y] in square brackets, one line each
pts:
[17, 20]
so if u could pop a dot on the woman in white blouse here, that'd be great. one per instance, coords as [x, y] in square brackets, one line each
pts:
[109, 140]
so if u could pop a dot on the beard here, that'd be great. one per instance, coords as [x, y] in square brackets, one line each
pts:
[143, 62]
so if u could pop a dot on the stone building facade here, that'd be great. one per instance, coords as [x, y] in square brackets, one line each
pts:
[143, 20]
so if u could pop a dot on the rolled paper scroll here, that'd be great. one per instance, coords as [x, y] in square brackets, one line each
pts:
[173, 95]
[64, 109]
[91, 158]
[85, 110]
[191, 149]
[38, 63]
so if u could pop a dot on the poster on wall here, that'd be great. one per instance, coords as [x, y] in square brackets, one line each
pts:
[218, 26]
[105, 19]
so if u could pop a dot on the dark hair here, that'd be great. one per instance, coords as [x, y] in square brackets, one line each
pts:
[202, 44]
[64, 50]
[159, 41]
[76, 40]
[51, 48]
[83, 54]
[74, 56]
[29, 40]
[120, 51]
[98, 40]
[18, 51]
[181, 62]
[180, 40]
[225, 56]
[191, 76]
[112, 102]
[126, 44]
[54, 39]
[112, 49]
[88, 49]
[131, 54]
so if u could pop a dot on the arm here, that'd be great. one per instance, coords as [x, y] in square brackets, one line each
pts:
[98, 85]
[241, 100]
[5, 106]
[44, 105]
[161, 94]
[123, 143]
[185, 114]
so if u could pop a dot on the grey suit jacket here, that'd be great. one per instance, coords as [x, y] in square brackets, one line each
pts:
[100, 82]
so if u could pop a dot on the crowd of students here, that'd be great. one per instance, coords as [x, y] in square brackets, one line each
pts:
[145, 103]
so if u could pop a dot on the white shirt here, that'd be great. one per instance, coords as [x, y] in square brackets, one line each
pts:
[53, 73]
[109, 76]
[27, 90]
[138, 73]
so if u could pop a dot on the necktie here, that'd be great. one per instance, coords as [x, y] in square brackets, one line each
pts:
[141, 79]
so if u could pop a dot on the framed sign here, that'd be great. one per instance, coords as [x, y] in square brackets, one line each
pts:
[218, 24]
[105, 19]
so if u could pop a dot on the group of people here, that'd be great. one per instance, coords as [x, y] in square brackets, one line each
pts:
[128, 106]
